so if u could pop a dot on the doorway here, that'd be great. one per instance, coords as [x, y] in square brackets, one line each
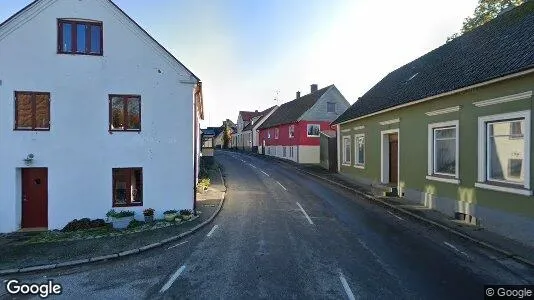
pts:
[34, 197]
[390, 157]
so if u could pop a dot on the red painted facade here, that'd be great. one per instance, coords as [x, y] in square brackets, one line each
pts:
[300, 138]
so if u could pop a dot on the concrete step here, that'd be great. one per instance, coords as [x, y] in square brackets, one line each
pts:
[384, 190]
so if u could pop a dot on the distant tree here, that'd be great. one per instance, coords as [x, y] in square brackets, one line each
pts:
[226, 135]
[485, 11]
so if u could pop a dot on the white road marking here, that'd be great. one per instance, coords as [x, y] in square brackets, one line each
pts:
[172, 279]
[252, 166]
[395, 215]
[455, 249]
[177, 245]
[265, 173]
[212, 230]
[346, 286]
[305, 214]
[281, 185]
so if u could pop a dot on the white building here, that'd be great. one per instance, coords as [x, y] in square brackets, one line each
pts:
[87, 124]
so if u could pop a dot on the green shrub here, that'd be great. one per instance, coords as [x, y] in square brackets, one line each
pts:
[134, 224]
[168, 212]
[186, 212]
[121, 214]
[84, 224]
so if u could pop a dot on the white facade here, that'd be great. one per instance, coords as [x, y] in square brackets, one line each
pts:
[79, 151]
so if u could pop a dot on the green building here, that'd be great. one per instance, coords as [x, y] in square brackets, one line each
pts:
[452, 129]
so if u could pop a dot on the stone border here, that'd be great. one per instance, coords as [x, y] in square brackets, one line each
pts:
[123, 253]
[506, 253]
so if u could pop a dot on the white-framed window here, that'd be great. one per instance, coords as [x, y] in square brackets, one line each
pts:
[330, 107]
[443, 151]
[346, 150]
[359, 150]
[291, 131]
[268, 134]
[313, 130]
[276, 132]
[504, 152]
[290, 151]
[284, 151]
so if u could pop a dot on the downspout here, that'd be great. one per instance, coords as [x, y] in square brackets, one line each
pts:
[198, 110]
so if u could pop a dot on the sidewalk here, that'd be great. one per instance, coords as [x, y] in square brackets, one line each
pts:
[17, 255]
[505, 246]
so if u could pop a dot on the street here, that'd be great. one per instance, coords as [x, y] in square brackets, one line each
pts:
[285, 235]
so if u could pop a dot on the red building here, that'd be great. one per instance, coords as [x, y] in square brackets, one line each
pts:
[292, 131]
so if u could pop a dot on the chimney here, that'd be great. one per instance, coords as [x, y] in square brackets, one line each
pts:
[256, 110]
[298, 94]
[314, 87]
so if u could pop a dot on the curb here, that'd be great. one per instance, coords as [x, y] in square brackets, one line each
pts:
[418, 217]
[123, 253]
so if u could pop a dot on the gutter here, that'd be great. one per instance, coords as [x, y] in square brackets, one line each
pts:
[441, 95]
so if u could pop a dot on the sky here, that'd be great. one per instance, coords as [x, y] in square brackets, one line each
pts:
[249, 52]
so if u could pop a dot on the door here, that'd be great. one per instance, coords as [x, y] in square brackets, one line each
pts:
[35, 198]
[393, 158]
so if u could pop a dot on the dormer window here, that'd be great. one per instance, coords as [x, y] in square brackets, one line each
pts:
[79, 37]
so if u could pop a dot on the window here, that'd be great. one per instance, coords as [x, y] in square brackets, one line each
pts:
[346, 150]
[443, 150]
[80, 37]
[32, 111]
[268, 134]
[291, 131]
[331, 107]
[313, 130]
[290, 151]
[127, 187]
[504, 152]
[360, 150]
[284, 152]
[276, 131]
[124, 113]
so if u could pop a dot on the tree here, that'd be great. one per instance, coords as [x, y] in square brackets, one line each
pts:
[485, 11]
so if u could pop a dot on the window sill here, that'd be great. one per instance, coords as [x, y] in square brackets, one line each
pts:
[80, 53]
[441, 179]
[359, 166]
[510, 190]
[346, 164]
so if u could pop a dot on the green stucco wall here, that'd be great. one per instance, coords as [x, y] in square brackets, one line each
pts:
[413, 146]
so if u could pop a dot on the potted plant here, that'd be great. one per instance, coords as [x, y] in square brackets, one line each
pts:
[185, 214]
[170, 215]
[121, 219]
[149, 215]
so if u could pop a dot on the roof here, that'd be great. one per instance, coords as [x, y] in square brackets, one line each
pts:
[291, 111]
[208, 131]
[329, 133]
[498, 48]
[262, 115]
[248, 115]
[125, 14]
[216, 130]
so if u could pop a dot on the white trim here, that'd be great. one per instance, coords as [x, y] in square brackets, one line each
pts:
[470, 87]
[345, 130]
[358, 128]
[431, 145]
[383, 172]
[347, 162]
[447, 180]
[393, 121]
[338, 139]
[504, 99]
[356, 157]
[482, 140]
[503, 189]
[443, 111]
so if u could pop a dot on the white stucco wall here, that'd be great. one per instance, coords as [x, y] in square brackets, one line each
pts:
[78, 151]
[308, 154]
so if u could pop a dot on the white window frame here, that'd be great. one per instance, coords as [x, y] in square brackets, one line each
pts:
[269, 134]
[356, 152]
[345, 139]
[521, 189]
[308, 130]
[443, 177]
[276, 133]
[291, 127]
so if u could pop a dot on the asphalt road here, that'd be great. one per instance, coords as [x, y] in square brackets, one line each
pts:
[285, 235]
